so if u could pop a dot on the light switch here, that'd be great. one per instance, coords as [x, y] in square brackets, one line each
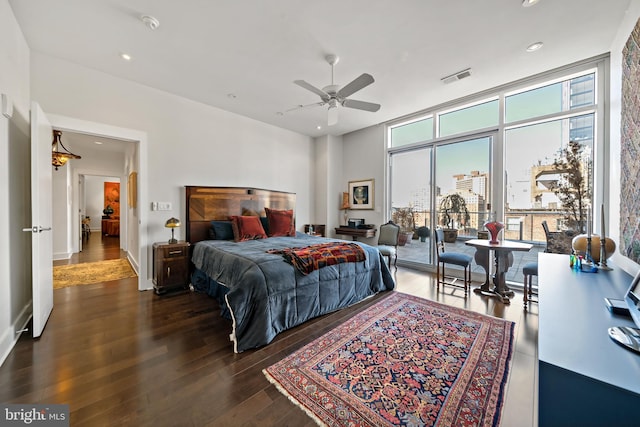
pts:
[154, 206]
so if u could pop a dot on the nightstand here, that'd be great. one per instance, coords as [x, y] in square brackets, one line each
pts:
[170, 266]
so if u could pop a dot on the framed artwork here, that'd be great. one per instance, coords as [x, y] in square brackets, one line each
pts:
[112, 197]
[132, 189]
[361, 194]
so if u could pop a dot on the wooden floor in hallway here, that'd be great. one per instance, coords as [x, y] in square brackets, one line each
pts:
[119, 356]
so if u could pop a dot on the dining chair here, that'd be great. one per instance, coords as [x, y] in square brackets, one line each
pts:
[456, 258]
[529, 270]
[388, 241]
[558, 242]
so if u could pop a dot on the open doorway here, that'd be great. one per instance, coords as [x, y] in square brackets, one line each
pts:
[96, 143]
[100, 209]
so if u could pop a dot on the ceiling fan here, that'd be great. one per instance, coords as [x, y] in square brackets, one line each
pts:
[333, 95]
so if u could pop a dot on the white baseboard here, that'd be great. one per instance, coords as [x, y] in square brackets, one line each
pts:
[11, 335]
[144, 284]
[133, 263]
[61, 255]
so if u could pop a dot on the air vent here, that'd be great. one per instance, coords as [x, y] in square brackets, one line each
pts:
[457, 76]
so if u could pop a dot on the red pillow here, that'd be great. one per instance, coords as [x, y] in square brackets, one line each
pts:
[280, 222]
[247, 228]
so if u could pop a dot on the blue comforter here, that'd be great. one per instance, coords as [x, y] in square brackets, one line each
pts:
[265, 295]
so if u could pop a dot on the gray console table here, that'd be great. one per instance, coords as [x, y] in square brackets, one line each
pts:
[585, 379]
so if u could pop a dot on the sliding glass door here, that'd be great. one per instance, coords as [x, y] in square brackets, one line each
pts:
[535, 140]
[422, 178]
[411, 203]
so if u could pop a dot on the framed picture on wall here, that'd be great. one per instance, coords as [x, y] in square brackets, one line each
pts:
[361, 194]
[132, 189]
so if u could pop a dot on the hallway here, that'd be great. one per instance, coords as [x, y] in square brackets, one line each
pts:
[96, 248]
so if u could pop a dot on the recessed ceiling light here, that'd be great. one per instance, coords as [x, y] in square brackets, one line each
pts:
[534, 46]
[125, 56]
[528, 3]
[97, 142]
[318, 127]
[231, 96]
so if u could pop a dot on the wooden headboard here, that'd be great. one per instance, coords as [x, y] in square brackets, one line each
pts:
[206, 204]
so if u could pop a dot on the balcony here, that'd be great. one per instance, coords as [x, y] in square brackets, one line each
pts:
[521, 225]
[418, 252]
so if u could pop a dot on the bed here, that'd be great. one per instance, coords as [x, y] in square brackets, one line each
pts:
[259, 290]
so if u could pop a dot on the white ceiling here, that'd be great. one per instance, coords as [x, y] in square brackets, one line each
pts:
[206, 50]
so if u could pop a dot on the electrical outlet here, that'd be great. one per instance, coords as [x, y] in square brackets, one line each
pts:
[164, 206]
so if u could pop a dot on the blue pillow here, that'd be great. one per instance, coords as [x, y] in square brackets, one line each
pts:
[265, 224]
[222, 230]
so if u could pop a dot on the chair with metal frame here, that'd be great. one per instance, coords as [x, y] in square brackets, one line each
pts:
[388, 241]
[455, 258]
[529, 270]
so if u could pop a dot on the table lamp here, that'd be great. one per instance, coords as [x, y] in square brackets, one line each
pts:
[172, 223]
[345, 206]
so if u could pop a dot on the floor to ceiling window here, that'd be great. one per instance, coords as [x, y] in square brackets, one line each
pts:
[502, 154]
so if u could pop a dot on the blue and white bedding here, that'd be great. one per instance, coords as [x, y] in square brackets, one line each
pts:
[264, 295]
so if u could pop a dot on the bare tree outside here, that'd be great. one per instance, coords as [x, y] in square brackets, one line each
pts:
[573, 189]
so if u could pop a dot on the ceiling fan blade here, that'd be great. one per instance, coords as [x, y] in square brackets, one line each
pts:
[360, 82]
[332, 116]
[361, 105]
[297, 107]
[322, 94]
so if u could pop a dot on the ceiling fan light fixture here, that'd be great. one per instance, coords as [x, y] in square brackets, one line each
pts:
[332, 115]
[334, 95]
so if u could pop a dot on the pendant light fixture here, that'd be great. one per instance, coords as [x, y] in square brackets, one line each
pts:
[58, 157]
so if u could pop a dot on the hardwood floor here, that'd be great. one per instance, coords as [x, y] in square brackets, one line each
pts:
[118, 356]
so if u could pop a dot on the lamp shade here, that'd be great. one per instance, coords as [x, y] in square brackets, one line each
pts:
[172, 223]
[345, 201]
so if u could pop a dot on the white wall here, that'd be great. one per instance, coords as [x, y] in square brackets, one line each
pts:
[129, 239]
[188, 143]
[15, 211]
[625, 28]
[364, 157]
[328, 182]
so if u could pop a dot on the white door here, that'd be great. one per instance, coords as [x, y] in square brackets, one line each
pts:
[41, 218]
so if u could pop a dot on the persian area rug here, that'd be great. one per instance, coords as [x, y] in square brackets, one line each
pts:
[91, 272]
[403, 361]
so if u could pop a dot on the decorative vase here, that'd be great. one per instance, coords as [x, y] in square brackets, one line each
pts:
[494, 228]
[579, 245]
[108, 211]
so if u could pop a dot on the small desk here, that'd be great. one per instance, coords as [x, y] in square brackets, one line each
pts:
[503, 260]
[356, 232]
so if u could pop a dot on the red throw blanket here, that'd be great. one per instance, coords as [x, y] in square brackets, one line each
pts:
[313, 257]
